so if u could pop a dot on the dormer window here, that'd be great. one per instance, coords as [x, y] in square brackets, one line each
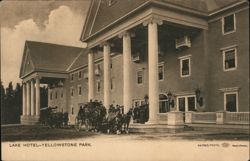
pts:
[111, 2]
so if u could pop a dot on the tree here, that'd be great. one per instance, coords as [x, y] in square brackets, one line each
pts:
[2, 101]
[17, 108]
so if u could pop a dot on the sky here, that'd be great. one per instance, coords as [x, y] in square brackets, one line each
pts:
[52, 21]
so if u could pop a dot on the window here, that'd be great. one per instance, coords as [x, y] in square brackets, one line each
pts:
[138, 103]
[72, 77]
[72, 91]
[51, 95]
[62, 94]
[98, 85]
[161, 72]
[79, 90]
[80, 75]
[163, 104]
[56, 95]
[72, 110]
[139, 77]
[186, 103]
[185, 67]
[228, 24]
[231, 101]
[229, 59]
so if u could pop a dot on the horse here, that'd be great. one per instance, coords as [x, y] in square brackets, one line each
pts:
[123, 121]
[112, 121]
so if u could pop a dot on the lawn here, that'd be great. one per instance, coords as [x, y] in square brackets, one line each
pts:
[41, 133]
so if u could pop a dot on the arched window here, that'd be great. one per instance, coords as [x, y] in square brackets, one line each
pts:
[163, 103]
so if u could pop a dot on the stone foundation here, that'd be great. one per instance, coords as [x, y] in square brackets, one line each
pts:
[29, 120]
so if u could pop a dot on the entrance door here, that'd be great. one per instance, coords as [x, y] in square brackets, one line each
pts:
[182, 104]
[186, 103]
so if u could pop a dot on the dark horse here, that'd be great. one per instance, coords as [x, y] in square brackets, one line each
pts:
[123, 122]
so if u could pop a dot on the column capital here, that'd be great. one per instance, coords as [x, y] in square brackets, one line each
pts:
[106, 43]
[153, 19]
[126, 33]
[38, 77]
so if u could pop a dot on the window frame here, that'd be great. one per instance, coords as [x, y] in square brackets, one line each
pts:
[98, 82]
[223, 22]
[186, 102]
[72, 77]
[138, 77]
[187, 57]
[163, 71]
[78, 73]
[224, 57]
[237, 100]
[140, 101]
[72, 91]
[78, 87]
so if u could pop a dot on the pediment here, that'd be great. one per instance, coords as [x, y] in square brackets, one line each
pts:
[27, 65]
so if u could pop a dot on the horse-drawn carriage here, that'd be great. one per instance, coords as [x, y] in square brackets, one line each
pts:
[50, 117]
[93, 117]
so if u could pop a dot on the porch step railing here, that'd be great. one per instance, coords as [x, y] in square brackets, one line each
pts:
[220, 117]
[237, 117]
[204, 117]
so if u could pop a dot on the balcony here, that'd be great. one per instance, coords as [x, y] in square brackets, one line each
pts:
[183, 42]
[136, 58]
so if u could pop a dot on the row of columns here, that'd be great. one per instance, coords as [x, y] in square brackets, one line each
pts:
[31, 97]
[152, 24]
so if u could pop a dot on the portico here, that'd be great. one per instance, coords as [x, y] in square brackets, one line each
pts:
[35, 72]
[31, 101]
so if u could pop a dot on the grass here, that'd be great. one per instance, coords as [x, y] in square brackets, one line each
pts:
[35, 133]
[41, 133]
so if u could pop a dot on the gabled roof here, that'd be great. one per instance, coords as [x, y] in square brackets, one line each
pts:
[47, 57]
[101, 14]
[82, 60]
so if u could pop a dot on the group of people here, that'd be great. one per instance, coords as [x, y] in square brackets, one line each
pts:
[141, 113]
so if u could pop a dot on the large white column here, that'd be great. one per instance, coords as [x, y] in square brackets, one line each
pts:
[127, 98]
[28, 98]
[32, 98]
[37, 96]
[24, 100]
[106, 68]
[91, 76]
[153, 70]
